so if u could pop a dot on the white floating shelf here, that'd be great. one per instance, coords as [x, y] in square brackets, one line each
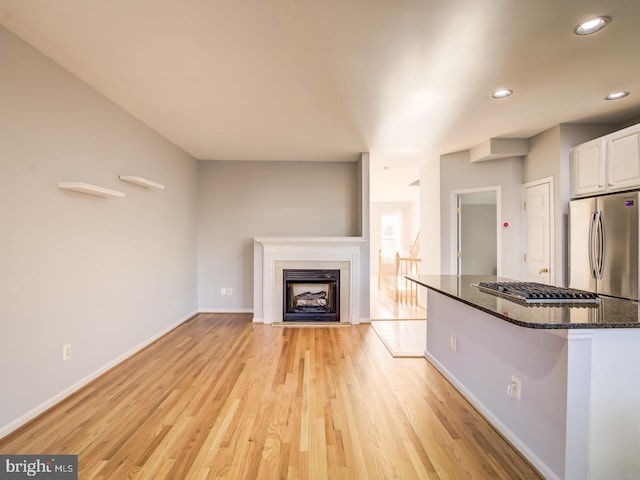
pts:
[143, 182]
[90, 189]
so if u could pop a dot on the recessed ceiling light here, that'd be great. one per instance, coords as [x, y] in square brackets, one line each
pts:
[504, 92]
[616, 95]
[592, 25]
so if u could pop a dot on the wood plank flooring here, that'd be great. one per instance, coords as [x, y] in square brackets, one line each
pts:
[222, 398]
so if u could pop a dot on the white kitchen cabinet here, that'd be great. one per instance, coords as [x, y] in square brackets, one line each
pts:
[588, 168]
[623, 159]
[606, 164]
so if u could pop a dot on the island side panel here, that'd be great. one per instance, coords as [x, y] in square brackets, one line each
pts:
[488, 352]
[615, 404]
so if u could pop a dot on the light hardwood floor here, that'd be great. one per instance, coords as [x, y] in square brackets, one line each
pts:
[220, 397]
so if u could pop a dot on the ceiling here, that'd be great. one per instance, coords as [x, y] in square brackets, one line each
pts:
[326, 80]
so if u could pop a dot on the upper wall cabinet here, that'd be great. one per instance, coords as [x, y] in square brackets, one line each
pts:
[623, 159]
[607, 164]
[588, 168]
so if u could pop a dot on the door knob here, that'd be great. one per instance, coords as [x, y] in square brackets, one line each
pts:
[544, 270]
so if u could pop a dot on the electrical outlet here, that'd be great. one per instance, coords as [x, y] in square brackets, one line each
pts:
[229, 291]
[66, 352]
[454, 343]
[223, 291]
[514, 389]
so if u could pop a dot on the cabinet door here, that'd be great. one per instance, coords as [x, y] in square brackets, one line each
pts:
[588, 168]
[623, 159]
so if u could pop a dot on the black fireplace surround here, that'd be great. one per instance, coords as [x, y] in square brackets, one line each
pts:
[311, 295]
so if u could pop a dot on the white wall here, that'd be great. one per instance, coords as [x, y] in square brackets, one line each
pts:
[430, 224]
[457, 173]
[105, 275]
[363, 229]
[241, 200]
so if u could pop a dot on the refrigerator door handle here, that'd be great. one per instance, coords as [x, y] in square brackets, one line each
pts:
[601, 245]
[592, 245]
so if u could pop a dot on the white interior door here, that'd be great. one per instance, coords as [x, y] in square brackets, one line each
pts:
[537, 206]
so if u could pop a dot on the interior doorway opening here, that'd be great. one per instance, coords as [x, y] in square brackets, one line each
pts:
[394, 227]
[477, 232]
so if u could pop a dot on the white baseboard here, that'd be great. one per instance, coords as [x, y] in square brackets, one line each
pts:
[34, 412]
[225, 310]
[538, 464]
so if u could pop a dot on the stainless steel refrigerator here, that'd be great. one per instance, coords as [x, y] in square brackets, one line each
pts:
[603, 244]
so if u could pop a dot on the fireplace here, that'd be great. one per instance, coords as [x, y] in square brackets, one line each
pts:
[311, 295]
[273, 255]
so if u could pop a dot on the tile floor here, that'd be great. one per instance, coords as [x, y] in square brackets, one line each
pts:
[403, 338]
[401, 327]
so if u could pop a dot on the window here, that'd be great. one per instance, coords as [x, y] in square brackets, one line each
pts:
[390, 234]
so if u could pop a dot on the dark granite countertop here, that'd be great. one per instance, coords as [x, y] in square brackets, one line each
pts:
[609, 313]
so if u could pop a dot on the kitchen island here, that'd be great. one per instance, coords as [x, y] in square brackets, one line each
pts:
[576, 411]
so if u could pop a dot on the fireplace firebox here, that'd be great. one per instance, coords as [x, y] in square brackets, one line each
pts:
[311, 295]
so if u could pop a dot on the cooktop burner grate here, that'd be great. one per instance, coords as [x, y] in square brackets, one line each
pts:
[532, 292]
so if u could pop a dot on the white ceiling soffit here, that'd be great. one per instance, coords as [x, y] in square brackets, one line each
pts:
[326, 80]
[496, 148]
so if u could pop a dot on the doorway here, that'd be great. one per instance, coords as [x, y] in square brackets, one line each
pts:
[476, 250]
[394, 233]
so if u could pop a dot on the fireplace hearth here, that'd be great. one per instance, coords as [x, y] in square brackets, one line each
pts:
[311, 295]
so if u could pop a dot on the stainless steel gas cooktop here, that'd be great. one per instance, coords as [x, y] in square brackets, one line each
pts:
[531, 292]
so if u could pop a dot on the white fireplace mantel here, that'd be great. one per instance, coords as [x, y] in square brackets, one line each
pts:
[273, 254]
